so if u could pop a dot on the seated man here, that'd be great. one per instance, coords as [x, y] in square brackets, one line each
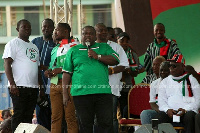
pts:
[155, 66]
[179, 92]
[147, 115]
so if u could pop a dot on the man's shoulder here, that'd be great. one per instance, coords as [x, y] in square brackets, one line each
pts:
[103, 45]
[38, 38]
[114, 44]
[167, 79]
[152, 44]
[13, 42]
[156, 81]
[75, 47]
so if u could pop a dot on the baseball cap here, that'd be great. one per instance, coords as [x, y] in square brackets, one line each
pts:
[122, 35]
[178, 58]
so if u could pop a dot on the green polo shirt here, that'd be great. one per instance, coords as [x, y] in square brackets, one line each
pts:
[54, 63]
[90, 76]
[58, 54]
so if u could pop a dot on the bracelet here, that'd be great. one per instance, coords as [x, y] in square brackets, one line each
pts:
[112, 70]
[99, 56]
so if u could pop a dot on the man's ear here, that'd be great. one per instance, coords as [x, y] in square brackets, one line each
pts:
[17, 29]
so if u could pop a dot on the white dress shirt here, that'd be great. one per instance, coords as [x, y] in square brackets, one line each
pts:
[170, 95]
[114, 79]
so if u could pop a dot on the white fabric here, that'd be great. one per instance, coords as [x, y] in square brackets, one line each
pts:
[154, 87]
[170, 95]
[114, 79]
[25, 57]
[186, 88]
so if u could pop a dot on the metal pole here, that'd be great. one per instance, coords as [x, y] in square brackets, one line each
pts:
[66, 9]
[56, 11]
[8, 20]
[44, 8]
[51, 9]
[71, 15]
[79, 18]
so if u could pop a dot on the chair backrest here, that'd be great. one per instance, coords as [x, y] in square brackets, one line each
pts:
[138, 99]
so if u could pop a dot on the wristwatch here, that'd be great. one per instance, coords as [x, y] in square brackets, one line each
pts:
[99, 56]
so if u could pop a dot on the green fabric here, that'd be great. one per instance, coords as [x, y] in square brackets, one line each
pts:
[90, 76]
[54, 80]
[54, 57]
[159, 45]
[183, 83]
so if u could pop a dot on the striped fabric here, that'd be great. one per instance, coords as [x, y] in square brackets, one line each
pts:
[149, 79]
[132, 59]
[153, 51]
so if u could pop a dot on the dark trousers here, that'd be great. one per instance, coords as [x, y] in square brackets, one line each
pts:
[123, 101]
[23, 106]
[187, 119]
[87, 106]
[197, 123]
[44, 115]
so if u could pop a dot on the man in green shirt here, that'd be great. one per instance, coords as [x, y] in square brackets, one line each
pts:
[58, 54]
[87, 66]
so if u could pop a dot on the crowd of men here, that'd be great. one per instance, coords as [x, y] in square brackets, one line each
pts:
[80, 87]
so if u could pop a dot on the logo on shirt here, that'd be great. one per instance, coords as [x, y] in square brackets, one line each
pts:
[32, 53]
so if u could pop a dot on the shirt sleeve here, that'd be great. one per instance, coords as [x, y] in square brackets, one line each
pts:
[68, 62]
[196, 94]
[147, 59]
[162, 96]
[122, 57]
[174, 49]
[9, 51]
[110, 51]
[152, 93]
[53, 57]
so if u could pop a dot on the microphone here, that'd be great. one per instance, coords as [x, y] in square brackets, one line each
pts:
[88, 45]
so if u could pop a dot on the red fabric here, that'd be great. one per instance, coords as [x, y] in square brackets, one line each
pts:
[139, 99]
[164, 49]
[64, 41]
[159, 6]
[130, 121]
[189, 88]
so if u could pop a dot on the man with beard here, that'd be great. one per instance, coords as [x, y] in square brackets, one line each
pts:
[45, 45]
[161, 46]
[58, 55]
[21, 61]
[179, 94]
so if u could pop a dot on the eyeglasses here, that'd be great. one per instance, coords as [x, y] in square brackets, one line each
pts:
[172, 65]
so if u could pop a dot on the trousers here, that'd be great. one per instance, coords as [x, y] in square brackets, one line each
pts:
[56, 96]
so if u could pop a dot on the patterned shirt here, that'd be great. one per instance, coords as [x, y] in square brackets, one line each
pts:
[149, 79]
[153, 50]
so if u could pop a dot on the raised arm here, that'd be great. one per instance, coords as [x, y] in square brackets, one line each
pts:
[106, 59]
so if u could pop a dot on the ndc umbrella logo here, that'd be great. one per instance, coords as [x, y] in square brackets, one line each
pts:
[32, 54]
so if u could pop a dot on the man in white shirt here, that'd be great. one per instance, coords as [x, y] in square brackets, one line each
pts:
[115, 72]
[21, 60]
[179, 94]
[147, 115]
